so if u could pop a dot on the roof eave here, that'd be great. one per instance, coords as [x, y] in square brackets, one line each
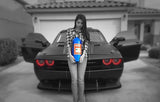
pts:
[54, 10]
[22, 2]
[147, 16]
[144, 14]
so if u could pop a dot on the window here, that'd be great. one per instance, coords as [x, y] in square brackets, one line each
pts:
[147, 28]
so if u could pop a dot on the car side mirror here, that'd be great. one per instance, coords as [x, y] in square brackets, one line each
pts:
[38, 41]
[119, 39]
[44, 44]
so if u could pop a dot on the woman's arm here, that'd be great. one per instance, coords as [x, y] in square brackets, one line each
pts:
[85, 48]
[68, 40]
[84, 51]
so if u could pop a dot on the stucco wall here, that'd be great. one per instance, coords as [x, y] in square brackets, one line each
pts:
[156, 32]
[14, 21]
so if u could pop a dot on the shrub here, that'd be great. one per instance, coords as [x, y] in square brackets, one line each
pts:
[154, 52]
[8, 51]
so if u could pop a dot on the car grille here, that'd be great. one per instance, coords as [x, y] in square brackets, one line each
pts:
[94, 63]
[61, 63]
[91, 65]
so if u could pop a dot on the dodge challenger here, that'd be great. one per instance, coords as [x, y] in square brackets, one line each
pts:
[105, 60]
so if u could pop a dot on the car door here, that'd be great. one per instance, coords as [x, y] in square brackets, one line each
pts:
[128, 45]
[32, 44]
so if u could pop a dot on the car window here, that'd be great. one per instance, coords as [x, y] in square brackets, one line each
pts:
[61, 38]
[95, 36]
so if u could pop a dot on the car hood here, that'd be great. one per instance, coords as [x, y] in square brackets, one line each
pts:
[97, 50]
[56, 49]
[100, 48]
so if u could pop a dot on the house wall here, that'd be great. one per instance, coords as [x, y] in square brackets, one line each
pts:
[131, 26]
[15, 23]
[139, 27]
[156, 32]
[134, 28]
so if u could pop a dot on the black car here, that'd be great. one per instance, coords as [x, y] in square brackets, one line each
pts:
[104, 65]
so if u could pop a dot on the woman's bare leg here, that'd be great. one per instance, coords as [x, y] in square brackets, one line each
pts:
[73, 72]
[81, 84]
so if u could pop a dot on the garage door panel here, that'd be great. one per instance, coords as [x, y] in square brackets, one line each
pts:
[50, 28]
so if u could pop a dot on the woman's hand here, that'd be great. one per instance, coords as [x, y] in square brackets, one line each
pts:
[72, 59]
[82, 57]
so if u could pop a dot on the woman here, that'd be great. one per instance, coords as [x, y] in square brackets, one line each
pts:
[77, 70]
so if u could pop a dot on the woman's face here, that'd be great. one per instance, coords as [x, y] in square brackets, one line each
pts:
[79, 24]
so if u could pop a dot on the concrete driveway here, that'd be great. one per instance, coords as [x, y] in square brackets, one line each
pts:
[140, 83]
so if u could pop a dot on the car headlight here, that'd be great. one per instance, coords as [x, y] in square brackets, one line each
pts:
[114, 61]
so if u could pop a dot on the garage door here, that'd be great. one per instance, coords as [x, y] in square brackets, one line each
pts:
[50, 28]
[109, 28]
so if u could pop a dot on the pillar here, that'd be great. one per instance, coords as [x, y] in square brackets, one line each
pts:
[141, 31]
[124, 22]
[36, 23]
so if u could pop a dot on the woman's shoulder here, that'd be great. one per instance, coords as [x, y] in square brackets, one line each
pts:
[70, 29]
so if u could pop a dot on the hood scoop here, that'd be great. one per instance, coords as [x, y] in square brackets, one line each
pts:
[60, 45]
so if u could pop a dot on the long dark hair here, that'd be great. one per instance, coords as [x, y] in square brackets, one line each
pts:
[84, 27]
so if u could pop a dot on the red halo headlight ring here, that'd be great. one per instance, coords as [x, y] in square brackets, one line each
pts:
[49, 62]
[116, 61]
[107, 61]
[40, 63]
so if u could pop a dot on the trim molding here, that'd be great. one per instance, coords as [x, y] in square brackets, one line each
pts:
[55, 10]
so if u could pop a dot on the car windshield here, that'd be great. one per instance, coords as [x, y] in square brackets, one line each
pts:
[95, 36]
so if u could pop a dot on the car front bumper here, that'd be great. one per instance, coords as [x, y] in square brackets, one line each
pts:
[94, 80]
[89, 85]
[90, 74]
